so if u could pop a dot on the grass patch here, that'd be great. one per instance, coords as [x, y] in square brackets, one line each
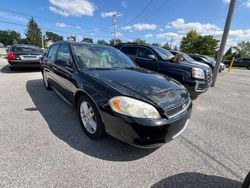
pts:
[2, 55]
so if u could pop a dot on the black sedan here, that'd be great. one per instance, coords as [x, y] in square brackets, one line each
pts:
[23, 56]
[114, 96]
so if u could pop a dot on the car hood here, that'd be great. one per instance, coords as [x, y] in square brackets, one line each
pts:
[145, 85]
[196, 64]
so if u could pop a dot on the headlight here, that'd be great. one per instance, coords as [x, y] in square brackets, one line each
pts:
[133, 107]
[198, 73]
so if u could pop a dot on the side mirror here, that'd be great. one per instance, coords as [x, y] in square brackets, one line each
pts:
[152, 57]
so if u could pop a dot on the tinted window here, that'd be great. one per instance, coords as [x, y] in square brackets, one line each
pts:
[144, 52]
[129, 50]
[63, 54]
[100, 57]
[52, 52]
[163, 53]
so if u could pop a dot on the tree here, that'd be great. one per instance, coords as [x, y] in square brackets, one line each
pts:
[103, 42]
[9, 37]
[33, 33]
[156, 44]
[118, 41]
[87, 40]
[140, 41]
[176, 48]
[243, 49]
[53, 36]
[196, 43]
[167, 46]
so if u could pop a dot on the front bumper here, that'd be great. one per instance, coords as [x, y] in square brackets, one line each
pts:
[197, 87]
[145, 133]
[24, 63]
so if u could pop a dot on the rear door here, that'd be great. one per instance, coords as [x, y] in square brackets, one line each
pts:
[130, 51]
[143, 58]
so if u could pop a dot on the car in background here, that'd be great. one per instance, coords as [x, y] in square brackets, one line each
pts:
[203, 59]
[195, 77]
[112, 95]
[24, 56]
[239, 62]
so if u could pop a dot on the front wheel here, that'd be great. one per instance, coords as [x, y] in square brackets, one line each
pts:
[90, 118]
[248, 67]
[246, 183]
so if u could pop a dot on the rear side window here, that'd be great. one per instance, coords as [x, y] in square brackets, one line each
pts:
[52, 52]
[64, 54]
[129, 50]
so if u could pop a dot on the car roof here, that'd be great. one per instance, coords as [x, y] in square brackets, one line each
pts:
[25, 45]
[80, 44]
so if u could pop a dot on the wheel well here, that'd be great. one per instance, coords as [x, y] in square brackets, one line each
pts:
[77, 96]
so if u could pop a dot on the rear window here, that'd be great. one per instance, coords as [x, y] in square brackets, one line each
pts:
[129, 50]
[26, 49]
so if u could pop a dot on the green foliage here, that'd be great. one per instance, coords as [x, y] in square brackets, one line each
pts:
[243, 49]
[140, 41]
[9, 37]
[53, 36]
[167, 46]
[87, 40]
[156, 44]
[103, 42]
[33, 33]
[196, 43]
[118, 41]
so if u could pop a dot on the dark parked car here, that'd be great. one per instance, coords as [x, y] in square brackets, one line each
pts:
[239, 62]
[23, 55]
[246, 183]
[203, 59]
[195, 77]
[113, 95]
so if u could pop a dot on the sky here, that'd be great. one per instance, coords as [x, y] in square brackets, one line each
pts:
[151, 20]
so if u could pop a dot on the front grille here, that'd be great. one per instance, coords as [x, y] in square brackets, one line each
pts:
[209, 76]
[173, 111]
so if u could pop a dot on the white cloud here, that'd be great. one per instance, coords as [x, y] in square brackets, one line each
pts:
[161, 30]
[118, 34]
[226, 1]
[168, 35]
[72, 7]
[61, 25]
[11, 17]
[78, 27]
[148, 35]
[183, 27]
[109, 14]
[246, 4]
[124, 4]
[140, 27]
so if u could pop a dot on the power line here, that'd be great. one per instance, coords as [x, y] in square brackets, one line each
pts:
[55, 30]
[140, 13]
[47, 19]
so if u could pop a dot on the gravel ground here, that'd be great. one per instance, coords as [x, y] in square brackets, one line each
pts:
[42, 144]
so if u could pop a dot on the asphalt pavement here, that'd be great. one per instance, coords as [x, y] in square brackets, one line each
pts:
[42, 144]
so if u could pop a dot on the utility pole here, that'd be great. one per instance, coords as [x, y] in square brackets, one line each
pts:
[42, 39]
[114, 25]
[223, 41]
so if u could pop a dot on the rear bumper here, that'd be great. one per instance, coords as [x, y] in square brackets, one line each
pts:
[23, 64]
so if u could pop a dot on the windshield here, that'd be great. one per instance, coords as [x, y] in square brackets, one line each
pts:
[163, 53]
[187, 57]
[101, 57]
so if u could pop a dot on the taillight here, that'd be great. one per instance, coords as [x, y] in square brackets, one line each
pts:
[11, 56]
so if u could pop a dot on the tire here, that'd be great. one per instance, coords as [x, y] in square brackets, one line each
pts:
[91, 122]
[246, 183]
[248, 67]
[45, 81]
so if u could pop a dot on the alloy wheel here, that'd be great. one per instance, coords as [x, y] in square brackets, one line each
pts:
[88, 117]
